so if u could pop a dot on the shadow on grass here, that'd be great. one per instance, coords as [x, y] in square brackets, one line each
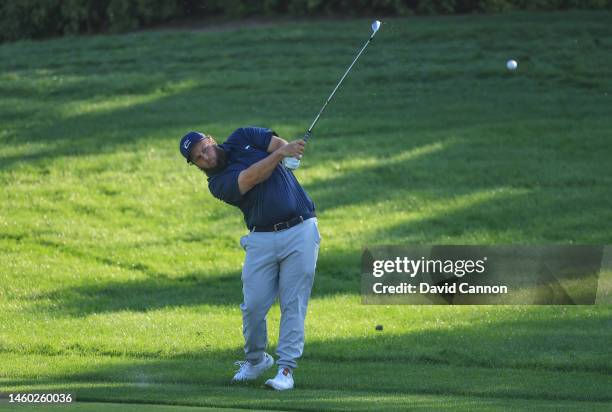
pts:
[538, 357]
[121, 129]
[193, 289]
[337, 273]
[143, 295]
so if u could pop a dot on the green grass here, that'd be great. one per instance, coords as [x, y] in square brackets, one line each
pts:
[120, 273]
[112, 407]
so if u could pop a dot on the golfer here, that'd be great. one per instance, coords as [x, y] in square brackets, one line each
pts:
[281, 247]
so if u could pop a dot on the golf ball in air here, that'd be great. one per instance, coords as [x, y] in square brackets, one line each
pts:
[511, 64]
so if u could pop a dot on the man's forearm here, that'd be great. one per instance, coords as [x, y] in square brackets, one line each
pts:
[258, 172]
[264, 168]
[276, 143]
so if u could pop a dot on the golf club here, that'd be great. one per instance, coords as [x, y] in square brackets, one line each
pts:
[293, 163]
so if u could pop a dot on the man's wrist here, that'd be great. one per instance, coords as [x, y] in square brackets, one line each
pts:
[278, 155]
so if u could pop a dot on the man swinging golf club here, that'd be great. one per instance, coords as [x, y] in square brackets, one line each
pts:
[282, 244]
[251, 170]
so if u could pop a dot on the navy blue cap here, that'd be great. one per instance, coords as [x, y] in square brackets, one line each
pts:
[187, 142]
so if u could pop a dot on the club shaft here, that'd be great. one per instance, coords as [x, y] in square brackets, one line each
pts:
[339, 83]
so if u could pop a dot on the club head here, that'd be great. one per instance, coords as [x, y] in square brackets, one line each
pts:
[375, 26]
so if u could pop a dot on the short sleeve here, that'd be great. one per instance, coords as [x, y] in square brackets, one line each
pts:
[225, 187]
[259, 136]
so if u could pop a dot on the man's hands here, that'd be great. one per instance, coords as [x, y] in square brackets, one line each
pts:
[293, 149]
[284, 149]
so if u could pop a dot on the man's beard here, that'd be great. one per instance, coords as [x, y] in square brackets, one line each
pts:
[221, 162]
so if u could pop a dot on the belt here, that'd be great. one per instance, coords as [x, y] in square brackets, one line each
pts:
[283, 225]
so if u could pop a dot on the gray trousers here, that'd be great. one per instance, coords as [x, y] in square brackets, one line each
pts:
[278, 264]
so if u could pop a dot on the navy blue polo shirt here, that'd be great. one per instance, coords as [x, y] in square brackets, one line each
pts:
[277, 199]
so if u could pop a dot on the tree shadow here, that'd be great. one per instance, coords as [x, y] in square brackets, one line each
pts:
[338, 270]
[530, 358]
[335, 275]
[193, 289]
[125, 128]
[450, 186]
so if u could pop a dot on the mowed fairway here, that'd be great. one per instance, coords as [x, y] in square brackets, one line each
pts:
[120, 273]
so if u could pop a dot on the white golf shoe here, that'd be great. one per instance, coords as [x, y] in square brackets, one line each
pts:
[282, 381]
[247, 372]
